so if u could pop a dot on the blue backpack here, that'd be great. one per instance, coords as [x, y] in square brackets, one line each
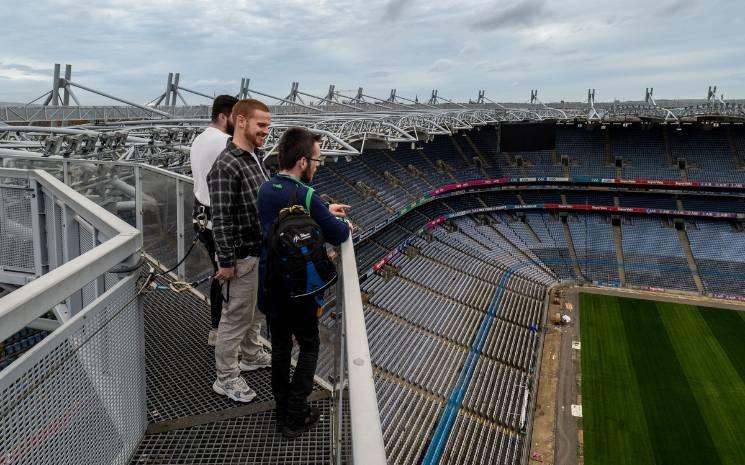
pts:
[297, 262]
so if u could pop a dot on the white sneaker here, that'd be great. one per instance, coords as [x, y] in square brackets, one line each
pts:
[262, 359]
[212, 337]
[236, 388]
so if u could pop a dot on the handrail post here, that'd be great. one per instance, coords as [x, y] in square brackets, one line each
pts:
[180, 247]
[138, 197]
[340, 380]
[66, 171]
[38, 228]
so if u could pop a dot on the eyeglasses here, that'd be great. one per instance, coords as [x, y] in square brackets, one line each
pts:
[313, 159]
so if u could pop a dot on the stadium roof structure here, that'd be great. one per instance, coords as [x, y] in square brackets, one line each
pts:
[161, 130]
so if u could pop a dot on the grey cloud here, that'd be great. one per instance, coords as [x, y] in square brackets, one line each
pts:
[611, 19]
[469, 48]
[127, 47]
[676, 6]
[514, 14]
[395, 8]
[26, 68]
[442, 65]
[378, 74]
[519, 66]
[615, 20]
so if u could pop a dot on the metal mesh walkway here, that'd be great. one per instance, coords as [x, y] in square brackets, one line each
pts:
[189, 423]
[250, 439]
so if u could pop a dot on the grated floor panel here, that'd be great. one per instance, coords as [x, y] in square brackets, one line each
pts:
[185, 414]
[252, 439]
[180, 366]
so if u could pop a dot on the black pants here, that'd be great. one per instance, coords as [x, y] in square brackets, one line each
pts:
[299, 321]
[206, 238]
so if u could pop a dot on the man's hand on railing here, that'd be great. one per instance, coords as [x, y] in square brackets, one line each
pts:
[339, 209]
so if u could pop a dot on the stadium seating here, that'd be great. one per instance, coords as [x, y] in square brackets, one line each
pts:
[540, 196]
[381, 181]
[719, 251]
[434, 297]
[16, 345]
[406, 156]
[425, 308]
[436, 301]
[595, 247]
[643, 152]
[585, 150]
[653, 255]
[705, 152]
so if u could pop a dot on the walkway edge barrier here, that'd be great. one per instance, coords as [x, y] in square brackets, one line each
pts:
[32, 300]
[367, 434]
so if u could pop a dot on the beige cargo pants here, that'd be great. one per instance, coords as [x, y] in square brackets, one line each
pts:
[240, 323]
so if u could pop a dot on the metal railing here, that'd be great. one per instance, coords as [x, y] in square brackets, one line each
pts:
[156, 201]
[355, 370]
[159, 204]
[75, 243]
[78, 396]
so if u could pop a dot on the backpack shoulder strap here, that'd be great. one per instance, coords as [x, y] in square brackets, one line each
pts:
[308, 195]
[308, 198]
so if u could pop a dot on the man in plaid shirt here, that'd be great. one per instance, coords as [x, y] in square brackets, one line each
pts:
[234, 181]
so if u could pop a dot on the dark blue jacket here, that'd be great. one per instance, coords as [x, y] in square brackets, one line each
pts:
[274, 195]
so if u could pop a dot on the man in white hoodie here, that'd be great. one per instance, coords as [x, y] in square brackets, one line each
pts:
[204, 150]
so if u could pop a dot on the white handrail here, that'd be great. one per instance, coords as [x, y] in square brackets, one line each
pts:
[34, 299]
[367, 435]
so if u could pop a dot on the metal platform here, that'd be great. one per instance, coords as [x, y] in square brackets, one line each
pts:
[249, 439]
[180, 366]
[188, 421]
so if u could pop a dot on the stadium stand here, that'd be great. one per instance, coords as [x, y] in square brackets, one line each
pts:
[585, 151]
[705, 152]
[722, 268]
[435, 302]
[648, 201]
[653, 255]
[589, 197]
[713, 204]
[643, 152]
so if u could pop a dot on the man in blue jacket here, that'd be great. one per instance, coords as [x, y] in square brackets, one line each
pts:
[298, 155]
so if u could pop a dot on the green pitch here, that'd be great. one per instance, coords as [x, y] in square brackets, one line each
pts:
[662, 383]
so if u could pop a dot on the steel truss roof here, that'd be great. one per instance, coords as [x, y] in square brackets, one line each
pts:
[131, 133]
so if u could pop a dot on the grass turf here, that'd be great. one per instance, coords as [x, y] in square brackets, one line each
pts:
[662, 383]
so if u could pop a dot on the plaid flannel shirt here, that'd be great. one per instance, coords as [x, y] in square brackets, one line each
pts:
[234, 182]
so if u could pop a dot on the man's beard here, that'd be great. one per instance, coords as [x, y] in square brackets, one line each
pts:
[254, 139]
[306, 176]
[230, 128]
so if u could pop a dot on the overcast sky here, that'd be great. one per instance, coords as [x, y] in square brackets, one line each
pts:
[507, 47]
